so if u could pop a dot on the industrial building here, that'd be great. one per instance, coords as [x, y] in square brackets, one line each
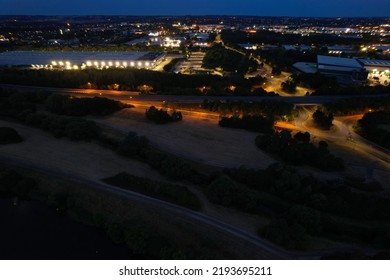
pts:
[346, 70]
[70, 60]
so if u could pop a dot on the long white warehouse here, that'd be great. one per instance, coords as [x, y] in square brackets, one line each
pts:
[80, 60]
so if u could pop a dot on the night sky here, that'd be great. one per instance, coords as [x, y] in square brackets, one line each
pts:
[324, 8]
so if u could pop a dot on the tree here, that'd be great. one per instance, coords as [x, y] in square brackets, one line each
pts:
[322, 120]
[9, 135]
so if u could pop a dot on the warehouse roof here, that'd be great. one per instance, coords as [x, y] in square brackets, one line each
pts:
[17, 58]
[338, 61]
[374, 62]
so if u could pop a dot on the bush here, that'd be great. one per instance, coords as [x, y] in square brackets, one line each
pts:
[252, 123]
[132, 145]
[9, 135]
[322, 120]
[161, 116]
[179, 195]
[71, 106]
[298, 150]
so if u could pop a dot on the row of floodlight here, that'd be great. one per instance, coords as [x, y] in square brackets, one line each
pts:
[104, 64]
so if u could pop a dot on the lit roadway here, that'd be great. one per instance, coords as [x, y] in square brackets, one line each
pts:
[342, 135]
[134, 96]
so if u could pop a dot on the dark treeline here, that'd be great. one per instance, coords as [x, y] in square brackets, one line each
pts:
[274, 38]
[282, 59]
[354, 106]
[76, 129]
[375, 126]
[95, 48]
[320, 83]
[125, 79]
[71, 106]
[298, 150]
[177, 194]
[352, 90]
[251, 123]
[301, 206]
[269, 108]
[161, 116]
[227, 60]
[19, 102]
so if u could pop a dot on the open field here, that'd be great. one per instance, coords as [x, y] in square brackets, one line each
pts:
[198, 137]
[93, 162]
[79, 158]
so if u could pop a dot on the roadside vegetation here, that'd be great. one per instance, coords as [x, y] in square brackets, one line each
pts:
[375, 126]
[375, 123]
[161, 116]
[127, 79]
[248, 122]
[78, 107]
[322, 120]
[355, 106]
[299, 150]
[268, 108]
[173, 193]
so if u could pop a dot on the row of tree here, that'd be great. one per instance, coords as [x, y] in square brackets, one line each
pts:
[305, 206]
[248, 122]
[359, 105]
[123, 79]
[375, 126]
[298, 150]
[161, 116]
[228, 60]
[269, 108]
[173, 193]
[73, 106]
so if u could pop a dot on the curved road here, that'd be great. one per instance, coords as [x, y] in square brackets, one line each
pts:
[344, 135]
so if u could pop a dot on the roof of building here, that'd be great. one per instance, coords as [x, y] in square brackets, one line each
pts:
[306, 67]
[375, 62]
[17, 58]
[338, 62]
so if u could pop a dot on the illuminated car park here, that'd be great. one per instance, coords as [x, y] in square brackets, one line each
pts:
[81, 60]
